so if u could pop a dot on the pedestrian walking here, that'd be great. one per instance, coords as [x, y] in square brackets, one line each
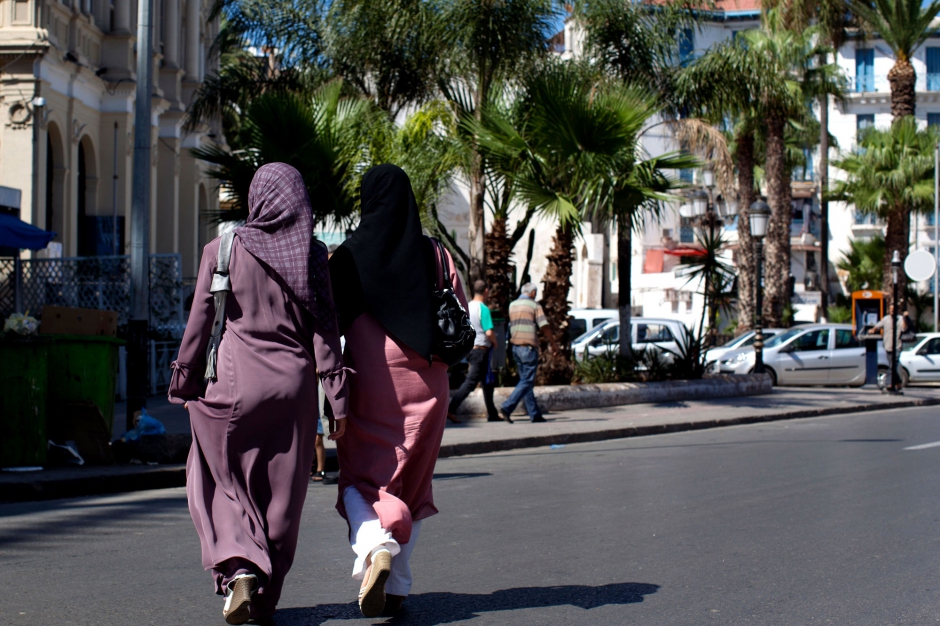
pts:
[479, 371]
[251, 391]
[526, 317]
[888, 324]
[383, 277]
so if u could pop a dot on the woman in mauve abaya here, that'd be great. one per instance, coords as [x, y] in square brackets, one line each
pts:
[382, 280]
[255, 423]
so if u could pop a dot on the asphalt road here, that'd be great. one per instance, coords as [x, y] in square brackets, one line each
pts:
[816, 521]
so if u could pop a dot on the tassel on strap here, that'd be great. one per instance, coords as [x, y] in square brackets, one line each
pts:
[215, 337]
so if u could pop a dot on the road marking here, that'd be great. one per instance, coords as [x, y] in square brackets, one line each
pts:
[924, 446]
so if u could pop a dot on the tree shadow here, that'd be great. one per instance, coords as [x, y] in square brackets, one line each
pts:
[431, 609]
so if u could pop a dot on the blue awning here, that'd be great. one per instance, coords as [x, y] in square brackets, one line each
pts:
[15, 233]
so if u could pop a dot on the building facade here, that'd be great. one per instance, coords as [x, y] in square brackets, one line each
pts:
[67, 90]
[659, 288]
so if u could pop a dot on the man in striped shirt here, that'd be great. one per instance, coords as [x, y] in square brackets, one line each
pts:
[526, 317]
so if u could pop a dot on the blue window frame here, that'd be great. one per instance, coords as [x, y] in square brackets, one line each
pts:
[933, 119]
[933, 69]
[864, 70]
[865, 219]
[863, 121]
[687, 175]
[686, 46]
[686, 230]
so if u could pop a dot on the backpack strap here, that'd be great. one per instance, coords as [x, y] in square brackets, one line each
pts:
[220, 288]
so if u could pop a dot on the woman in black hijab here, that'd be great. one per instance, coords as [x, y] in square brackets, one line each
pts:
[382, 279]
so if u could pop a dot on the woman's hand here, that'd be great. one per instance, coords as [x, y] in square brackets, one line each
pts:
[337, 428]
[186, 405]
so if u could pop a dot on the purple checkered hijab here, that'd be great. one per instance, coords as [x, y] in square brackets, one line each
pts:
[279, 233]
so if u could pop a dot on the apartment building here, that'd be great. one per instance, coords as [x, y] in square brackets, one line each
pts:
[67, 88]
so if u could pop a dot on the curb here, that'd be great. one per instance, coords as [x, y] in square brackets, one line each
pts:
[555, 398]
[485, 447]
[54, 489]
[175, 475]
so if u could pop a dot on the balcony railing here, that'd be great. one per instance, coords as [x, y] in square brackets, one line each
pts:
[878, 83]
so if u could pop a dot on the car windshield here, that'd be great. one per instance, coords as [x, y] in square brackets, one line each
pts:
[783, 337]
[907, 346]
[734, 342]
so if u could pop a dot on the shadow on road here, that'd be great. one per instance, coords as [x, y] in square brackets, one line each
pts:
[430, 609]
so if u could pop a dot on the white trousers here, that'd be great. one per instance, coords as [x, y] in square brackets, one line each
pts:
[367, 535]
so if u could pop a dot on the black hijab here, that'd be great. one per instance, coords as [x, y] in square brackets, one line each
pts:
[385, 268]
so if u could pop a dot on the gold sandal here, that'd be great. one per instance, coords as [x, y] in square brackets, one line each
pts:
[372, 592]
[238, 599]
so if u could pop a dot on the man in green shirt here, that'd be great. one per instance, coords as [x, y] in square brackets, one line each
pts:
[479, 357]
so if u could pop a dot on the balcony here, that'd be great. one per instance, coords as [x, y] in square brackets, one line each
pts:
[865, 87]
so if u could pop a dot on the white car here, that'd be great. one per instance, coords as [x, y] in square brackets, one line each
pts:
[582, 320]
[647, 332]
[812, 354]
[746, 340]
[920, 359]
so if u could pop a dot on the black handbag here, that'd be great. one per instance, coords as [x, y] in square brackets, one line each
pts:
[453, 333]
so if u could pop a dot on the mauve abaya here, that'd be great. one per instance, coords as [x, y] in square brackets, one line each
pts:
[398, 408]
[254, 427]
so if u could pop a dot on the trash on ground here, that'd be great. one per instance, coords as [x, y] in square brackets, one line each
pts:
[557, 446]
[63, 454]
[145, 424]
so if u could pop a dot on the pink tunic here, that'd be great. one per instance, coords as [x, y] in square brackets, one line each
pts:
[398, 409]
[253, 428]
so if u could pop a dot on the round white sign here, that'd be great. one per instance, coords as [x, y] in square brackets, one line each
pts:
[920, 265]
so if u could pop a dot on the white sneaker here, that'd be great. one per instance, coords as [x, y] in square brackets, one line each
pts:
[237, 609]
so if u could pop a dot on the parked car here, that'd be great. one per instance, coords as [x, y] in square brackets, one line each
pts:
[582, 320]
[920, 359]
[746, 340]
[812, 354]
[646, 333]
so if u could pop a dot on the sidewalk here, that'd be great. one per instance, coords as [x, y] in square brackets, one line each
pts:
[478, 437]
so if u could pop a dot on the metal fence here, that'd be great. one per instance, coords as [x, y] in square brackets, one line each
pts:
[101, 282]
[161, 354]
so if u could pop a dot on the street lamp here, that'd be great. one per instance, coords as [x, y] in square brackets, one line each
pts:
[895, 326]
[759, 215]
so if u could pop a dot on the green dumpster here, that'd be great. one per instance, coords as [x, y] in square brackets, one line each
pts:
[23, 366]
[82, 371]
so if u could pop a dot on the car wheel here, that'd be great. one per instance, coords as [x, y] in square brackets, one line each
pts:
[772, 374]
[905, 377]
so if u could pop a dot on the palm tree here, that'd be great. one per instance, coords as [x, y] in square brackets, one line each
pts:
[761, 77]
[385, 50]
[577, 150]
[319, 135]
[904, 25]
[890, 175]
[490, 41]
[833, 20]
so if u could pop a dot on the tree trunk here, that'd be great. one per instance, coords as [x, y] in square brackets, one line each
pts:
[746, 261]
[897, 237]
[823, 203]
[475, 231]
[498, 267]
[624, 279]
[903, 95]
[557, 370]
[777, 276]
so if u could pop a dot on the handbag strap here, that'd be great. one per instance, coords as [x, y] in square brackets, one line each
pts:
[220, 288]
[445, 266]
